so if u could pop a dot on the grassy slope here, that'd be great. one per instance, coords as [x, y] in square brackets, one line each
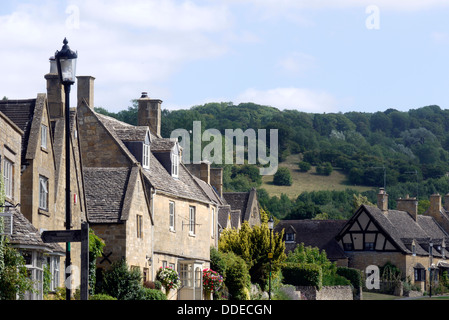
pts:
[308, 181]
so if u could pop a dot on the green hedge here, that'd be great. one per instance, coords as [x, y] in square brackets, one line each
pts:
[153, 294]
[303, 274]
[352, 275]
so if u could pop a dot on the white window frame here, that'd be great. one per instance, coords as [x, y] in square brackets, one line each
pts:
[290, 237]
[44, 134]
[192, 220]
[35, 267]
[175, 165]
[8, 167]
[43, 193]
[172, 215]
[146, 156]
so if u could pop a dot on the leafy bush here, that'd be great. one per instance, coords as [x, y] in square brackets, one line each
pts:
[153, 294]
[282, 177]
[121, 282]
[303, 274]
[353, 275]
[304, 166]
[237, 278]
[101, 296]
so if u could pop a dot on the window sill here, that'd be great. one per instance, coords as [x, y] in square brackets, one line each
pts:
[43, 212]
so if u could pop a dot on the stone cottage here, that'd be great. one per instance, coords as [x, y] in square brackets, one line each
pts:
[140, 197]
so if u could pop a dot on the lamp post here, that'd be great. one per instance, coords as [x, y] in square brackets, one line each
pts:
[66, 63]
[270, 254]
[430, 267]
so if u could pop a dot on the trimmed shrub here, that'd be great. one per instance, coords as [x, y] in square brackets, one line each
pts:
[303, 274]
[353, 275]
[153, 294]
[101, 296]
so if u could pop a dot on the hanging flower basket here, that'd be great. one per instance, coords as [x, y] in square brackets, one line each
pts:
[169, 279]
[212, 282]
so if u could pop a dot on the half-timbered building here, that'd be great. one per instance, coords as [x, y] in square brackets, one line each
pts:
[376, 235]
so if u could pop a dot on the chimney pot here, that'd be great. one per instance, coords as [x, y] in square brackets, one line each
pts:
[382, 200]
[144, 95]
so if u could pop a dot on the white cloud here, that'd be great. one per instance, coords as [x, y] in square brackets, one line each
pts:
[296, 63]
[125, 45]
[286, 5]
[291, 98]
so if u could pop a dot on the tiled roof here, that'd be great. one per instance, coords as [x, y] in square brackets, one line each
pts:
[403, 229]
[21, 113]
[315, 233]
[237, 201]
[183, 186]
[158, 144]
[223, 216]
[105, 190]
[26, 235]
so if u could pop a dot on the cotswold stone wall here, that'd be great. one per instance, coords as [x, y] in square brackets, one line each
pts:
[326, 293]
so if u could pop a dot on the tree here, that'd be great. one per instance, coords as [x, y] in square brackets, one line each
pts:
[253, 246]
[282, 177]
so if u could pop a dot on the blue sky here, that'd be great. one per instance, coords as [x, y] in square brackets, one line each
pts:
[314, 56]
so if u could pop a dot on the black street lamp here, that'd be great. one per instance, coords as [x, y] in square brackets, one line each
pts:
[430, 267]
[270, 254]
[66, 63]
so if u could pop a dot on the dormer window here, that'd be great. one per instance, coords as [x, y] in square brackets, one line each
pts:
[174, 165]
[289, 237]
[146, 156]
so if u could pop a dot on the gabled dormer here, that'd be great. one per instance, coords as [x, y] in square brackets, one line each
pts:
[138, 142]
[168, 152]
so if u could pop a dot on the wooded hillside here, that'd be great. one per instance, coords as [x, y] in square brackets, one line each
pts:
[408, 152]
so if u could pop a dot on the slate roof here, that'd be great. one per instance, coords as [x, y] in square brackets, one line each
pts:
[105, 190]
[184, 186]
[26, 235]
[315, 233]
[158, 144]
[403, 229]
[224, 216]
[20, 112]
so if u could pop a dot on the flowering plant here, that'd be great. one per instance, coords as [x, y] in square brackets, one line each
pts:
[169, 278]
[212, 281]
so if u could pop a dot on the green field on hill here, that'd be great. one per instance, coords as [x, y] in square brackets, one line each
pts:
[307, 181]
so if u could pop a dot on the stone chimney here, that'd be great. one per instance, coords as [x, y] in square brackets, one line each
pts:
[216, 180]
[205, 171]
[382, 200]
[446, 202]
[435, 207]
[55, 92]
[409, 205]
[149, 113]
[85, 90]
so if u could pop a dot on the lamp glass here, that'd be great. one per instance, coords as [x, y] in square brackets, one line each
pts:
[68, 69]
[271, 223]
